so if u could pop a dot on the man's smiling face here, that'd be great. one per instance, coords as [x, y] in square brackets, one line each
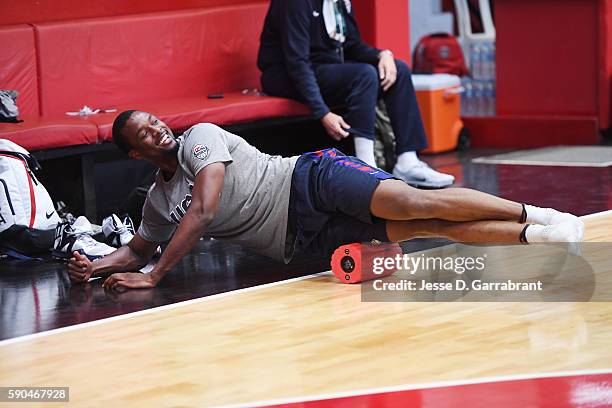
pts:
[149, 137]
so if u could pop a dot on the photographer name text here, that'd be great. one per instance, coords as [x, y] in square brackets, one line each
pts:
[475, 285]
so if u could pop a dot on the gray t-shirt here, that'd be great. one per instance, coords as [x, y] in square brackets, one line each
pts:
[254, 201]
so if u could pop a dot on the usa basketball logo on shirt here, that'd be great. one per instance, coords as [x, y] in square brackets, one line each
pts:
[201, 152]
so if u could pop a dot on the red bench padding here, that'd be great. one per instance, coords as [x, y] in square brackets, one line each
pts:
[148, 58]
[18, 71]
[232, 108]
[165, 63]
[18, 66]
[36, 133]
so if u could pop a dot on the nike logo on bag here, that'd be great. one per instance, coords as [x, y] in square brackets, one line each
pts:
[49, 215]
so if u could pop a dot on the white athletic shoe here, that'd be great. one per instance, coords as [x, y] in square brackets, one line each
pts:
[127, 221]
[422, 175]
[117, 232]
[148, 268]
[77, 237]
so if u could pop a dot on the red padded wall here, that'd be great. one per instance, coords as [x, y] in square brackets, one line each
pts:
[18, 66]
[547, 57]
[36, 11]
[109, 62]
[605, 64]
[385, 24]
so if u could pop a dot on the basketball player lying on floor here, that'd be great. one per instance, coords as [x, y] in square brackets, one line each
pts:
[213, 182]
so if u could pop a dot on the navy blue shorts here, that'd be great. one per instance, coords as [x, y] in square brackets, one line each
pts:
[330, 202]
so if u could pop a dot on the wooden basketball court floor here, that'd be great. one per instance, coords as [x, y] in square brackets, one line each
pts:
[313, 339]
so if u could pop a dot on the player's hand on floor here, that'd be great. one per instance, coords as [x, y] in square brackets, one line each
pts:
[335, 126]
[129, 280]
[79, 268]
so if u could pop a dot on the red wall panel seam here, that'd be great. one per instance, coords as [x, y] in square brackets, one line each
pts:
[605, 65]
[37, 55]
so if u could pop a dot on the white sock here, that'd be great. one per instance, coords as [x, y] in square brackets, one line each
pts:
[538, 215]
[407, 160]
[364, 150]
[536, 233]
[566, 232]
[547, 216]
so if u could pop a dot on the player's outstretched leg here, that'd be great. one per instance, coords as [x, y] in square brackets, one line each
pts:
[498, 232]
[394, 200]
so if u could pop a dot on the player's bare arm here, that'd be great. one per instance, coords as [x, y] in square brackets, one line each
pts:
[204, 204]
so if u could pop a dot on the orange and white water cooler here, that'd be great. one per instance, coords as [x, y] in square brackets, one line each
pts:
[439, 98]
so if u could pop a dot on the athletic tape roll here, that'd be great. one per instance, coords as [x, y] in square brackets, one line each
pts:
[354, 263]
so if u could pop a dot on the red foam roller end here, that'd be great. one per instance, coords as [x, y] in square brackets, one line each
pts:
[354, 263]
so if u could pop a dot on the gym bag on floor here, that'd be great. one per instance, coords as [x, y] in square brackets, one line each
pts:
[25, 205]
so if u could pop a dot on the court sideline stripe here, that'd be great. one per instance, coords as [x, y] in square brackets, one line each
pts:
[479, 160]
[417, 386]
[157, 309]
[189, 302]
[596, 215]
[495, 159]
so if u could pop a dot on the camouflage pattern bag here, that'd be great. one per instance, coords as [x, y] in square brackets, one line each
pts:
[384, 144]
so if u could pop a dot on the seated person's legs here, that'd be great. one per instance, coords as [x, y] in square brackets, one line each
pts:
[354, 86]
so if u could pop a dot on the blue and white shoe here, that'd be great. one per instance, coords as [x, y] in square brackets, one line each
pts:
[77, 237]
[117, 232]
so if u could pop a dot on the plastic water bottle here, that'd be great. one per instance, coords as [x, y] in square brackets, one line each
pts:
[493, 63]
[484, 62]
[478, 106]
[467, 99]
[493, 109]
[476, 61]
[489, 98]
[492, 80]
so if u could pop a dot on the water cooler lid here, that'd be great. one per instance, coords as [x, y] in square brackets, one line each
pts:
[435, 82]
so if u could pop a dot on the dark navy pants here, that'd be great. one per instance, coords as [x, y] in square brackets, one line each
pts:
[330, 200]
[356, 87]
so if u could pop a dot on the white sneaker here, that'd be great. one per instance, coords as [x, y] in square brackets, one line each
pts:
[129, 224]
[77, 237]
[118, 233]
[148, 268]
[422, 175]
